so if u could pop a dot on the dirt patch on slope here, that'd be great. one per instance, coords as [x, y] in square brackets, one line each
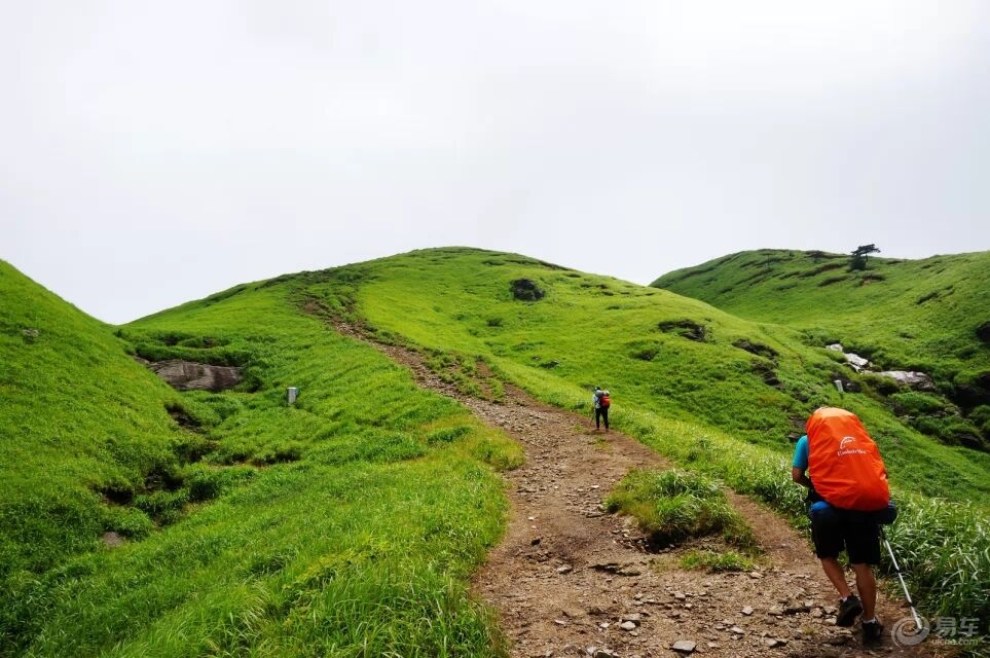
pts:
[569, 579]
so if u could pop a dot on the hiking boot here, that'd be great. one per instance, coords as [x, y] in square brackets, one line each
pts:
[848, 611]
[872, 632]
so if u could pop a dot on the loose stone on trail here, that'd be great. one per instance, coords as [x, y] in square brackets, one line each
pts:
[684, 646]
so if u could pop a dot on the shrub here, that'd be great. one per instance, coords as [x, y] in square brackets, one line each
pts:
[912, 403]
[676, 505]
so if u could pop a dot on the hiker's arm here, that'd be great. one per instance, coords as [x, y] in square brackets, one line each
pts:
[797, 474]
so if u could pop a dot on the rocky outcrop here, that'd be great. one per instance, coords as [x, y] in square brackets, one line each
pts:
[685, 328]
[526, 290]
[854, 360]
[916, 380]
[187, 375]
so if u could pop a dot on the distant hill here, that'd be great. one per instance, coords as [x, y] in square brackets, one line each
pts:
[930, 315]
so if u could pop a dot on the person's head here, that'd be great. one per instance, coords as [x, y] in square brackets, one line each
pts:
[598, 388]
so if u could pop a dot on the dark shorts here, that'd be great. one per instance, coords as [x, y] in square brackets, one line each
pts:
[835, 530]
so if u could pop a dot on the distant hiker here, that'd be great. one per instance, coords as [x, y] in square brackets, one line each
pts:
[847, 489]
[601, 401]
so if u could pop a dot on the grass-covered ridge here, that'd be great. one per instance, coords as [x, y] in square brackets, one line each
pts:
[930, 315]
[345, 525]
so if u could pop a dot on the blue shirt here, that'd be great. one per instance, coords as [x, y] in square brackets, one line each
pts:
[801, 454]
[801, 461]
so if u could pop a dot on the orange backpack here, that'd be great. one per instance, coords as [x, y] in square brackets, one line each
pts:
[844, 463]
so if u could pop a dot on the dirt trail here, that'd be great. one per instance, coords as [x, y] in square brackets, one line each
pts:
[569, 579]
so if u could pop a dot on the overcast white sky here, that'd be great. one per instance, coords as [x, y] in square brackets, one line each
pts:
[156, 152]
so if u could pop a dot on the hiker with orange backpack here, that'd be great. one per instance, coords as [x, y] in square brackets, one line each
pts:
[601, 401]
[848, 498]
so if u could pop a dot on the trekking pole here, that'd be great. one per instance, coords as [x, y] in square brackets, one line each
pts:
[900, 576]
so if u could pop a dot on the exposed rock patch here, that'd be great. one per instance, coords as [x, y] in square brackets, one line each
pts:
[684, 328]
[187, 375]
[758, 349]
[526, 290]
[854, 360]
[916, 380]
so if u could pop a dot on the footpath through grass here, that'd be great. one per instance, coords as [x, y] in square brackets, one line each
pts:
[690, 381]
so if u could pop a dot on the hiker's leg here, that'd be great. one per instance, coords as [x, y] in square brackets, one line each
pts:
[866, 585]
[826, 533]
[863, 546]
[836, 576]
[605, 417]
[598, 416]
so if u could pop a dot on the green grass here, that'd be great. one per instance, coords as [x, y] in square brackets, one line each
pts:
[349, 523]
[901, 314]
[346, 525]
[672, 506]
[716, 561]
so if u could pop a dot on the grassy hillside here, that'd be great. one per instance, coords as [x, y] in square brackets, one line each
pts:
[754, 381]
[346, 524]
[919, 315]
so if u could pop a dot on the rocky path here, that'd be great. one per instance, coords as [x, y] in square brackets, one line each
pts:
[569, 579]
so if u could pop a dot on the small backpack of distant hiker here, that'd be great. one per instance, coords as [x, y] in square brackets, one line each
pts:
[844, 463]
[603, 400]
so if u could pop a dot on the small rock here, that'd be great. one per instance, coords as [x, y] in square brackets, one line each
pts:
[684, 646]
[737, 630]
[712, 645]
[560, 622]
[565, 569]
[628, 626]
[680, 596]
[776, 611]
[796, 609]
[747, 611]
[634, 617]
[774, 642]
[755, 575]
